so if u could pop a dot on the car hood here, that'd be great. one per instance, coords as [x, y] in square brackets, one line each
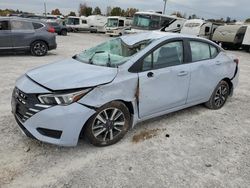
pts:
[71, 74]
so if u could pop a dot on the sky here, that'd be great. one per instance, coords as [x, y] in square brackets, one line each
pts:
[236, 9]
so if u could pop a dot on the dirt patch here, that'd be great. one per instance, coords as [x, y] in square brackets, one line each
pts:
[145, 135]
[7, 175]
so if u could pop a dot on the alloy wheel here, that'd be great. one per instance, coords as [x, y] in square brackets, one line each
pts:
[40, 49]
[221, 96]
[108, 124]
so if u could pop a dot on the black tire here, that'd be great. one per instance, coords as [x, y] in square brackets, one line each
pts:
[219, 96]
[64, 32]
[39, 48]
[96, 124]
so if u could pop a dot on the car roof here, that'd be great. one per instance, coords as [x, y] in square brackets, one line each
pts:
[134, 39]
[20, 18]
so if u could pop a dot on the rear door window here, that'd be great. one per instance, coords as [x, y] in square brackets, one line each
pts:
[37, 25]
[200, 51]
[214, 51]
[4, 25]
[17, 25]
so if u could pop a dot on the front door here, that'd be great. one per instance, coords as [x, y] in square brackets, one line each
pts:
[164, 80]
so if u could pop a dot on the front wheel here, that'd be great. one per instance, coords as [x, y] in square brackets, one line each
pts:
[108, 125]
[39, 48]
[219, 96]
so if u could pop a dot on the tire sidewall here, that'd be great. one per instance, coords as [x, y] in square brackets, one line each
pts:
[88, 129]
[64, 32]
[212, 101]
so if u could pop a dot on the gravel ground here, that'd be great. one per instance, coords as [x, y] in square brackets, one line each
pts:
[195, 147]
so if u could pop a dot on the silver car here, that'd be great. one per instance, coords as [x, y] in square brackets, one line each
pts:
[23, 34]
[104, 91]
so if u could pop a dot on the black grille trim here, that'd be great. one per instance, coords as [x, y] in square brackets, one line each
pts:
[24, 104]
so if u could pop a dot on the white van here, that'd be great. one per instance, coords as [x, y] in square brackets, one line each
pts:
[200, 28]
[117, 25]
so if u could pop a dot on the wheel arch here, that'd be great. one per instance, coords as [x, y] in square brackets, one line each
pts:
[230, 85]
[128, 104]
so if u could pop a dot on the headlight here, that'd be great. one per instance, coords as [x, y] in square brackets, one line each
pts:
[63, 99]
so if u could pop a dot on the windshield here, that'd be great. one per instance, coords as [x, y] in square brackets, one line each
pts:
[142, 21]
[149, 22]
[112, 22]
[111, 53]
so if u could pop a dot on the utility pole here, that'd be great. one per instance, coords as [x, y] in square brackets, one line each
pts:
[45, 9]
[165, 3]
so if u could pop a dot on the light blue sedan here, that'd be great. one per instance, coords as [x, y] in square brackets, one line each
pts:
[104, 91]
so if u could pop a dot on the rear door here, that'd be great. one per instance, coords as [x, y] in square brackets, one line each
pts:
[164, 80]
[22, 33]
[207, 68]
[5, 35]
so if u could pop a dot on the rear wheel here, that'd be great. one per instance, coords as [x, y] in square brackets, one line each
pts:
[219, 96]
[108, 125]
[64, 32]
[39, 48]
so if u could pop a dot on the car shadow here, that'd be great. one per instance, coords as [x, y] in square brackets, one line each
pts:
[22, 54]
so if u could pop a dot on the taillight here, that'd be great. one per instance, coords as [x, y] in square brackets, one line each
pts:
[51, 29]
[236, 61]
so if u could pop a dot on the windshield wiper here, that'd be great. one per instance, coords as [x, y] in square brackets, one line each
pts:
[91, 58]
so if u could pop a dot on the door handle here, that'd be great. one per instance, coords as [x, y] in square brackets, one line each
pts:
[218, 63]
[150, 74]
[183, 73]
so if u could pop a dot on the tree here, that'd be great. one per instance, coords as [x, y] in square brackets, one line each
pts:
[117, 11]
[72, 13]
[247, 20]
[84, 10]
[130, 12]
[56, 12]
[178, 14]
[97, 11]
[228, 20]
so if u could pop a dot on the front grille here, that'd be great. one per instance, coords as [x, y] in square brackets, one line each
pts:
[109, 31]
[25, 105]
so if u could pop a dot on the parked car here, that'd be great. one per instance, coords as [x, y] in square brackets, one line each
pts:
[26, 35]
[59, 28]
[105, 90]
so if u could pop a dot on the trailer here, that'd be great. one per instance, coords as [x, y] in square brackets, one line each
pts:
[97, 23]
[246, 40]
[117, 25]
[75, 23]
[232, 36]
[200, 28]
